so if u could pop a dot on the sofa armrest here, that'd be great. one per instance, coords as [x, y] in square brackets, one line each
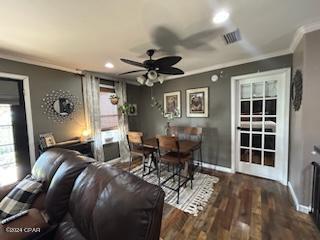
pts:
[32, 224]
[4, 190]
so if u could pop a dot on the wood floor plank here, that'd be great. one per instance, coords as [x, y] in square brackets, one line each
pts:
[241, 207]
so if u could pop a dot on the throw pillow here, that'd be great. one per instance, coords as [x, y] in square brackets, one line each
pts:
[21, 197]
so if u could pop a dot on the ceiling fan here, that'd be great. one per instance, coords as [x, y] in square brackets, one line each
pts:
[154, 68]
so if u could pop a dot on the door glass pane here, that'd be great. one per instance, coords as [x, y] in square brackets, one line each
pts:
[256, 156]
[245, 124]
[256, 140]
[271, 88]
[257, 90]
[257, 124]
[270, 125]
[245, 91]
[269, 158]
[245, 107]
[270, 142]
[244, 155]
[257, 107]
[271, 107]
[245, 139]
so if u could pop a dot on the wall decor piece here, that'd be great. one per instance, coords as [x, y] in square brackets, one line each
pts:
[172, 104]
[114, 99]
[296, 90]
[197, 102]
[60, 105]
[133, 110]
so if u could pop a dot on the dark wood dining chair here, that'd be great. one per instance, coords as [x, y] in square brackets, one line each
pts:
[169, 153]
[195, 134]
[137, 149]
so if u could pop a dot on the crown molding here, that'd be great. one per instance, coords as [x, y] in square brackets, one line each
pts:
[232, 63]
[301, 32]
[39, 63]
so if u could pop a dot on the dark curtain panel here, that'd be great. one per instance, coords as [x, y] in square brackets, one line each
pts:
[20, 133]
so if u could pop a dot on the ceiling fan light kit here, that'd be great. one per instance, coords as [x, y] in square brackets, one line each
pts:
[154, 68]
[152, 75]
[141, 79]
[149, 83]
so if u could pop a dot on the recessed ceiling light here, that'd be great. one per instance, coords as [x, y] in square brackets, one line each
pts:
[109, 65]
[221, 17]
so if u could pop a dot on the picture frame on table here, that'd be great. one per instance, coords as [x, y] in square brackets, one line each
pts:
[172, 104]
[197, 102]
[47, 140]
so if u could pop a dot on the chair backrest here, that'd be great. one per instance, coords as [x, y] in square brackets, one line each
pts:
[135, 137]
[167, 143]
[193, 133]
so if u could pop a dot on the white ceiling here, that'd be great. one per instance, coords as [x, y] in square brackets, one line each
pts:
[82, 34]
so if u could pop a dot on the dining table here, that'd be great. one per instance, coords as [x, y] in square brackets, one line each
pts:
[185, 146]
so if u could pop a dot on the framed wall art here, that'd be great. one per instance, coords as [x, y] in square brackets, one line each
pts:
[133, 110]
[172, 103]
[197, 102]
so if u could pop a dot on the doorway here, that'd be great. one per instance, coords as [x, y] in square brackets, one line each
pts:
[17, 154]
[260, 124]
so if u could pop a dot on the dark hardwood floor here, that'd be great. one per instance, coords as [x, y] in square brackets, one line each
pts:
[242, 207]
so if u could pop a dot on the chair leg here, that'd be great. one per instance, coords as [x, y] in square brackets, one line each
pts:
[179, 172]
[130, 161]
[144, 166]
[159, 173]
[201, 162]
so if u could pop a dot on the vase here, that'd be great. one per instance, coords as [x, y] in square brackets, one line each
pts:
[167, 129]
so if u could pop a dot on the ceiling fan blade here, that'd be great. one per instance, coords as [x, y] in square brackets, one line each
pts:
[137, 64]
[171, 71]
[167, 61]
[131, 72]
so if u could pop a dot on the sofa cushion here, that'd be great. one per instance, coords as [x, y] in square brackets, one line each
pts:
[57, 197]
[108, 202]
[47, 164]
[20, 197]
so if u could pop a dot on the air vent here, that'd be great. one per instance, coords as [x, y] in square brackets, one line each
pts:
[232, 37]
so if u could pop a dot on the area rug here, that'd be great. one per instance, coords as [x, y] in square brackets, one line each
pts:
[191, 201]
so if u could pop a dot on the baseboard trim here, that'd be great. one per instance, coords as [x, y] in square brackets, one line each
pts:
[299, 207]
[216, 167]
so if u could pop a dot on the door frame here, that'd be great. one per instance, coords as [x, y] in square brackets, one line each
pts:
[27, 100]
[286, 101]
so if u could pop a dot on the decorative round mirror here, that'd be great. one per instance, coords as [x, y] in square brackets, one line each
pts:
[60, 105]
[63, 106]
[296, 90]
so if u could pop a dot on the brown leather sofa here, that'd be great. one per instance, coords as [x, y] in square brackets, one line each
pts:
[89, 201]
[58, 168]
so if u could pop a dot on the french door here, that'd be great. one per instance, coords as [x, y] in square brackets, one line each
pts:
[261, 116]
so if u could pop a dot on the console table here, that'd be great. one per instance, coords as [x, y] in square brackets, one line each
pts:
[84, 148]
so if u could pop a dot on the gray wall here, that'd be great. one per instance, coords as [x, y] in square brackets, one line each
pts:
[217, 133]
[43, 80]
[304, 128]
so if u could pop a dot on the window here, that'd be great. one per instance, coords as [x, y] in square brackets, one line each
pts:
[8, 168]
[109, 116]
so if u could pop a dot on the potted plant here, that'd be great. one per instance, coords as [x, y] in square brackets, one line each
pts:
[114, 99]
[124, 108]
